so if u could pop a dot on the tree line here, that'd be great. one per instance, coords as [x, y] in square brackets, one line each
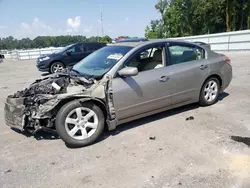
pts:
[178, 18]
[11, 43]
[195, 17]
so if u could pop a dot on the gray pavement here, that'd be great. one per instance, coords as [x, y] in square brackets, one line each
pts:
[191, 154]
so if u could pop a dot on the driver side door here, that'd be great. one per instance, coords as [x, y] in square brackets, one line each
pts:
[147, 91]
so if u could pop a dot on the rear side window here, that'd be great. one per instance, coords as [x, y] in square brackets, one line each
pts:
[78, 48]
[182, 53]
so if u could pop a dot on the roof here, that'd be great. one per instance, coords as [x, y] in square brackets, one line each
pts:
[151, 41]
[134, 44]
[129, 44]
[132, 40]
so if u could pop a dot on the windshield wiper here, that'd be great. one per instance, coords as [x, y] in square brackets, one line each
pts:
[81, 74]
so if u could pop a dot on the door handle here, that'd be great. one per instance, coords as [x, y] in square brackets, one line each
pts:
[202, 67]
[164, 78]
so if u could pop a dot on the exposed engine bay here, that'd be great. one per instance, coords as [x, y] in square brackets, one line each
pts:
[35, 107]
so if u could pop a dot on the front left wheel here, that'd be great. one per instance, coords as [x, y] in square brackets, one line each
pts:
[79, 124]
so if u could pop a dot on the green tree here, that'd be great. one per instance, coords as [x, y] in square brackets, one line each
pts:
[195, 17]
[47, 41]
[248, 23]
[150, 34]
[158, 28]
[106, 39]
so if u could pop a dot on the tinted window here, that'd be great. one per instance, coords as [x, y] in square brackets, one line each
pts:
[72, 49]
[183, 53]
[91, 47]
[65, 48]
[79, 48]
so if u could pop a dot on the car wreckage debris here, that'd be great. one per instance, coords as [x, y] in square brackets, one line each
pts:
[31, 109]
[152, 138]
[190, 118]
[52, 85]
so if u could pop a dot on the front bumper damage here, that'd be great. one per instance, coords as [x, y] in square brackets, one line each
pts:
[35, 108]
[21, 115]
[14, 113]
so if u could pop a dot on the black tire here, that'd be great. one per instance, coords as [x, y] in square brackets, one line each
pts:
[61, 118]
[51, 69]
[203, 101]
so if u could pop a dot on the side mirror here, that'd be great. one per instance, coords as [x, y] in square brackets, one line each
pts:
[128, 71]
[68, 52]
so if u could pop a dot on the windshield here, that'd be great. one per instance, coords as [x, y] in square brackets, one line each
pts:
[101, 61]
[64, 48]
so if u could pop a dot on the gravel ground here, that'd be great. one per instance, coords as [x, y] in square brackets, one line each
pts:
[199, 153]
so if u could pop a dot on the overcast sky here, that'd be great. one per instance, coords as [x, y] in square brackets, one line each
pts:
[30, 18]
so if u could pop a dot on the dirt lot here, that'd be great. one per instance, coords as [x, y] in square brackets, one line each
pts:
[193, 154]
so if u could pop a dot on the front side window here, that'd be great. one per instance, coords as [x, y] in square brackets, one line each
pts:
[181, 53]
[151, 58]
[72, 49]
[65, 48]
[101, 61]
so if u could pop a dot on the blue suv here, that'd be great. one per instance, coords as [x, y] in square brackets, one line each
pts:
[67, 57]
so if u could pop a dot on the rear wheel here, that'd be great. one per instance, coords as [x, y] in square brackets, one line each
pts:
[56, 67]
[79, 124]
[210, 92]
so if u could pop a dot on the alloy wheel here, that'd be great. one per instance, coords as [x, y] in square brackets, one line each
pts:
[211, 90]
[81, 123]
[57, 67]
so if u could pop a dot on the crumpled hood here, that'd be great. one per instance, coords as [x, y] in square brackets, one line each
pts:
[54, 84]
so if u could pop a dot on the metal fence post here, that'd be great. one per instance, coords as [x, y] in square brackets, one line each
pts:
[17, 55]
[228, 44]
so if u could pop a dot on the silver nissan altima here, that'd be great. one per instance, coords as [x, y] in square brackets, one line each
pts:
[117, 84]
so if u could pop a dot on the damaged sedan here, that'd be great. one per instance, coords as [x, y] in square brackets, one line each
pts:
[118, 84]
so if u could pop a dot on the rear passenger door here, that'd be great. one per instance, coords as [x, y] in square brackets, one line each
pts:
[189, 68]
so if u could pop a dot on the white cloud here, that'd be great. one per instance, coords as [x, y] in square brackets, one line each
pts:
[99, 21]
[74, 23]
[36, 28]
[37, 24]
[69, 30]
[2, 27]
[39, 28]
[88, 29]
[25, 26]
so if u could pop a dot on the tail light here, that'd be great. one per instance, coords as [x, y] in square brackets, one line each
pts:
[226, 59]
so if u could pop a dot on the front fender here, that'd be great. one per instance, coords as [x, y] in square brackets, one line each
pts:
[51, 107]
